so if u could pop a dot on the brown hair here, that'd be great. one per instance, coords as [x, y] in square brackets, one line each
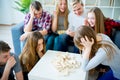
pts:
[100, 19]
[4, 47]
[83, 31]
[65, 14]
[29, 55]
[37, 5]
[77, 1]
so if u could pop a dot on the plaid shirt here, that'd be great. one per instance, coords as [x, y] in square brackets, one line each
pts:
[109, 25]
[42, 23]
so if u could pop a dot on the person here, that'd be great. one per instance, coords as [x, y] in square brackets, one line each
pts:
[36, 20]
[9, 64]
[59, 24]
[98, 49]
[100, 23]
[75, 19]
[32, 52]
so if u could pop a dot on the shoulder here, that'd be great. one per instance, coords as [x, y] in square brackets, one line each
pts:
[46, 13]
[15, 56]
[104, 37]
[27, 15]
[71, 14]
[111, 22]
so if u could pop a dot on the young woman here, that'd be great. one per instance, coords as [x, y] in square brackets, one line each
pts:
[33, 50]
[100, 23]
[98, 49]
[75, 19]
[59, 23]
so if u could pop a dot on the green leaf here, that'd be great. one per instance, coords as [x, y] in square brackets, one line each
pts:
[23, 5]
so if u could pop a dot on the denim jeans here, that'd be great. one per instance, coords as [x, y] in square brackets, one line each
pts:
[63, 41]
[50, 41]
[108, 76]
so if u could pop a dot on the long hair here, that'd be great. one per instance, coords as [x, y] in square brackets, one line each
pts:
[83, 31]
[100, 19]
[29, 55]
[65, 13]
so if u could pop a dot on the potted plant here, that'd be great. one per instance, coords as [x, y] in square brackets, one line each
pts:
[23, 5]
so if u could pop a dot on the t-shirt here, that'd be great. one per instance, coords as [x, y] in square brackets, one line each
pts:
[75, 21]
[16, 68]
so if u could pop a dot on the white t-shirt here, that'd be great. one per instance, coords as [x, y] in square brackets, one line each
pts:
[75, 21]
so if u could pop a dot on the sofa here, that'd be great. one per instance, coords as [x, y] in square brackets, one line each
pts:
[17, 31]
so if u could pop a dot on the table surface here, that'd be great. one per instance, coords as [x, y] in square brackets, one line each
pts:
[44, 69]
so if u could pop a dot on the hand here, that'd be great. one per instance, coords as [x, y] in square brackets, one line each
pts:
[32, 11]
[10, 63]
[23, 36]
[70, 33]
[87, 43]
[86, 22]
[55, 14]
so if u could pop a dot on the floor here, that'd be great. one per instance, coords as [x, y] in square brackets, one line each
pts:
[5, 35]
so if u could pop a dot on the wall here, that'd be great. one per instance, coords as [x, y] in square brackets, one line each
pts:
[8, 15]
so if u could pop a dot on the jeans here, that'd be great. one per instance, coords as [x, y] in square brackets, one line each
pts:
[108, 76]
[50, 41]
[63, 41]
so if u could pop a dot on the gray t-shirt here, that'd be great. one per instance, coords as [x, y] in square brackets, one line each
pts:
[61, 23]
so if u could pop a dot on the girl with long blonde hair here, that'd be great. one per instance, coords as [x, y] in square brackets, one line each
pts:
[59, 23]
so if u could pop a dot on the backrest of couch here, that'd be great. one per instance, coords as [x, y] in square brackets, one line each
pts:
[116, 37]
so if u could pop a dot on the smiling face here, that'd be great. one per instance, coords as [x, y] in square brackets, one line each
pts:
[91, 19]
[4, 56]
[78, 9]
[62, 5]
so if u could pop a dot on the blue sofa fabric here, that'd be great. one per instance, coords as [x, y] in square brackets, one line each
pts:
[16, 32]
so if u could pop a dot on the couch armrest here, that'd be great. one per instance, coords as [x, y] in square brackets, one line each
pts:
[16, 32]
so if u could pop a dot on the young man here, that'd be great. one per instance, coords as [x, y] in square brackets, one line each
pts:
[8, 63]
[36, 19]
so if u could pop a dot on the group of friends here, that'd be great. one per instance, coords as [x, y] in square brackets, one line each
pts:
[88, 31]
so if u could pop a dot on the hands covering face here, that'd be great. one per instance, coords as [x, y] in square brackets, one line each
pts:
[86, 42]
[10, 63]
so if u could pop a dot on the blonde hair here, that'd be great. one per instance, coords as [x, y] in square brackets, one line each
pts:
[29, 56]
[100, 19]
[65, 14]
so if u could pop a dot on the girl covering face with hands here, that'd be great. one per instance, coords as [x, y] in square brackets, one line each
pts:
[98, 49]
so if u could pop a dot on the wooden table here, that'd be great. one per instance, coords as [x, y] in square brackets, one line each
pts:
[44, 69]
